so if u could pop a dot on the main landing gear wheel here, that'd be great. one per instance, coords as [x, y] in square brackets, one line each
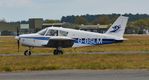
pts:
[57, 52]
[27, 53]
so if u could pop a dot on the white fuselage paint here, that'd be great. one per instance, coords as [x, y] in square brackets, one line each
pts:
[90, 38]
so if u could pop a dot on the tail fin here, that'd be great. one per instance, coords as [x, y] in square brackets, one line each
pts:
[118, 27]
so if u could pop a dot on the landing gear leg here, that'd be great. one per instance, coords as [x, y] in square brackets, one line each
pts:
[28, 52]
[58, 51]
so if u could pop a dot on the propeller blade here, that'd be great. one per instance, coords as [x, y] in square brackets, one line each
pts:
[18, 41]
[18, 31]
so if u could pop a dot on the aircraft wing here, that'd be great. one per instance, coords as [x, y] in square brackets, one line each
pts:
[63, 42]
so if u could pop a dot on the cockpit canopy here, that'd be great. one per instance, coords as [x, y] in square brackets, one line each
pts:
[52, 32]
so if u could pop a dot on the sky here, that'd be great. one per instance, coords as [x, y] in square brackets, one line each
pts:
[17, 10]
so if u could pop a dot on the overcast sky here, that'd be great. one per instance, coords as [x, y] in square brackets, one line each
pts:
[16, 10]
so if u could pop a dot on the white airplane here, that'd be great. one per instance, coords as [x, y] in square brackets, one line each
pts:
[58, 37]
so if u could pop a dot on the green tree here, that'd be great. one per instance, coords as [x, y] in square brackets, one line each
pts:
[51, 21]
[80, 20]
[139, 25]
[102, 20]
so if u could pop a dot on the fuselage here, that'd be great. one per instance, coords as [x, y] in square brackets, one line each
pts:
[80, 38]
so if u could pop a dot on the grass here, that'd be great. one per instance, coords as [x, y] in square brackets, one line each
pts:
[75, 61]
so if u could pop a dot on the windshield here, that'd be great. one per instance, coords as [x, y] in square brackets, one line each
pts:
[43, 31]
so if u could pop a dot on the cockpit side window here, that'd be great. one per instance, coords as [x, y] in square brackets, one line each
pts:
[62, 33]
[52, 33]
[42, 32]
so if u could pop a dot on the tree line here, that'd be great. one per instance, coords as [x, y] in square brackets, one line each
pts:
[100, 18]
[137, 23]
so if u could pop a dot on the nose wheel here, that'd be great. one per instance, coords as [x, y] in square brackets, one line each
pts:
[58, 51]
[28, 52]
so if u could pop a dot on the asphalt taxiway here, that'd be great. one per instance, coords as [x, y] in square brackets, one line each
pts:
[77, 75]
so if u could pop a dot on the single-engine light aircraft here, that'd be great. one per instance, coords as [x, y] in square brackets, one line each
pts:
[58, 37]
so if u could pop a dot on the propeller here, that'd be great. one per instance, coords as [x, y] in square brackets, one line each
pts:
[18, 39]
